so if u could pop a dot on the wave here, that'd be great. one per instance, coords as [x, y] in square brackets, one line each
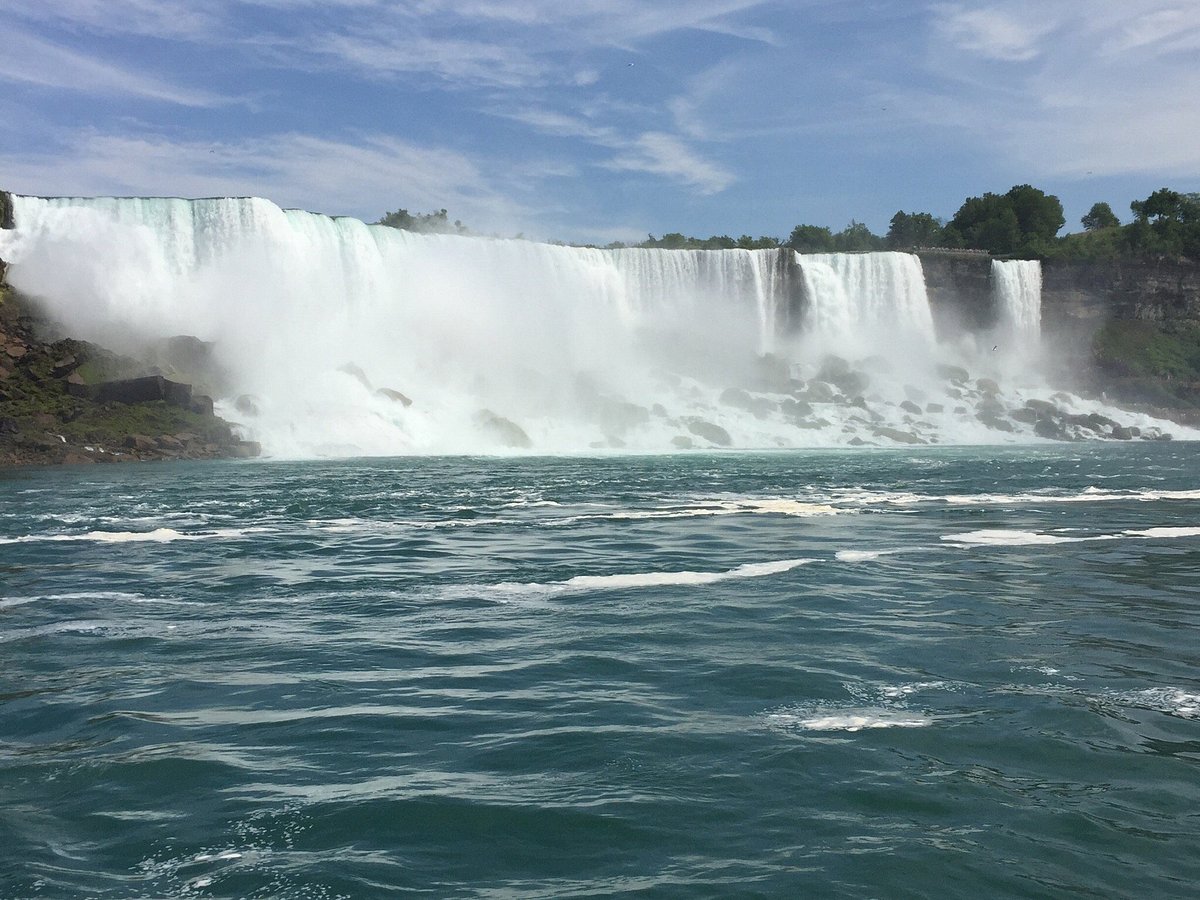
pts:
[158, 536]
[848, 720]
[653, 579]
[1004, 537]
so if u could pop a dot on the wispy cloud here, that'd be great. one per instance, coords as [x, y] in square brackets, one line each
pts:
[993, 32]
[338, 177]
[31, 60]
[663, 154]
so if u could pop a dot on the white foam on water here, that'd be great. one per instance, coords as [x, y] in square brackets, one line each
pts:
[854, 556]
[778, 506]
[1165, 531]
[1003, 537]
[660, 579]
[1088, 495]
[849, 720]
[158, 536]
[652, 579]
[1170, 700]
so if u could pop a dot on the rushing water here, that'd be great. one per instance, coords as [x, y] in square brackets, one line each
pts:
[952, 673]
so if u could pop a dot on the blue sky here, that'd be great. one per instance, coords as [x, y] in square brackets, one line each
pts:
[604, 119]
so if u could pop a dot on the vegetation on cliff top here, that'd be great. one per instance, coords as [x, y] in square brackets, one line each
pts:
[1023, 222]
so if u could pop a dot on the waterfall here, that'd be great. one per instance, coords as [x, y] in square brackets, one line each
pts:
[334, 337]
[1017, 293]
[858, 299]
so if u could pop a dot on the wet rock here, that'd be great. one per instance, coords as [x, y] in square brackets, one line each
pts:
[773, 372]
[144, 390]
[245, 450]
[504, 431]
[1049, 428]
[1025, 415]
[795, 409]
[856, 442]
[759, 407]
[246, 404]
[859, 402]
[989, 406]
[65, 366]
[960, 410]
[141, 443]
[395, 396]
[934, 408]
[356, 373]
[900, 437]
[995, 422]
[658, 410]
[710, 432]
[833, 366]
[987, 385]
[682, 442]
[955, 374]
[76, 386]
[1043, 407]
[202, 404]
[1121, 433]
[954, 393]
[821, 392]
[73, 458]
[909, 406]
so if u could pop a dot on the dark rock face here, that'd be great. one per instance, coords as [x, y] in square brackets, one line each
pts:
[959, 285]
[506, 431]
[6, 215]
[146, 390]
[395, 396]
[709, 431]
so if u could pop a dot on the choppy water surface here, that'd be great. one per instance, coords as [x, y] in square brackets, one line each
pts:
[953, 673]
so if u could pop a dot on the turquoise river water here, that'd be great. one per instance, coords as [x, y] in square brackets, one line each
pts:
[948, 673]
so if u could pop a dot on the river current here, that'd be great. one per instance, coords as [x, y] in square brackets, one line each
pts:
[959, 672]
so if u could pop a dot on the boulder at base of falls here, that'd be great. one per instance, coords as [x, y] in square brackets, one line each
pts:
[955, 374]
[909, 406]
[395, 396]
[900, 437]
[713, 433]
[505, 431]
[759, 407]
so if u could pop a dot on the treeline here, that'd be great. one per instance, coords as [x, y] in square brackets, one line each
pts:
[1023, 222]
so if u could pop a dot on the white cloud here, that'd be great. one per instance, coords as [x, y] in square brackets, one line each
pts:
[663, 154]
[992, 32]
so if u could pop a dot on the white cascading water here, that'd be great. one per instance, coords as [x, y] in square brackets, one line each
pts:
[860, 299]
[320, 324]
[1017, 291]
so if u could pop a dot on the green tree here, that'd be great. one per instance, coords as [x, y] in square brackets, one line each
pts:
[856, 237]
[987, 223]
[1167, 223]
[428, 223]
[1023, 221]
[908, 231]
[810, 239]
[1100, 216]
